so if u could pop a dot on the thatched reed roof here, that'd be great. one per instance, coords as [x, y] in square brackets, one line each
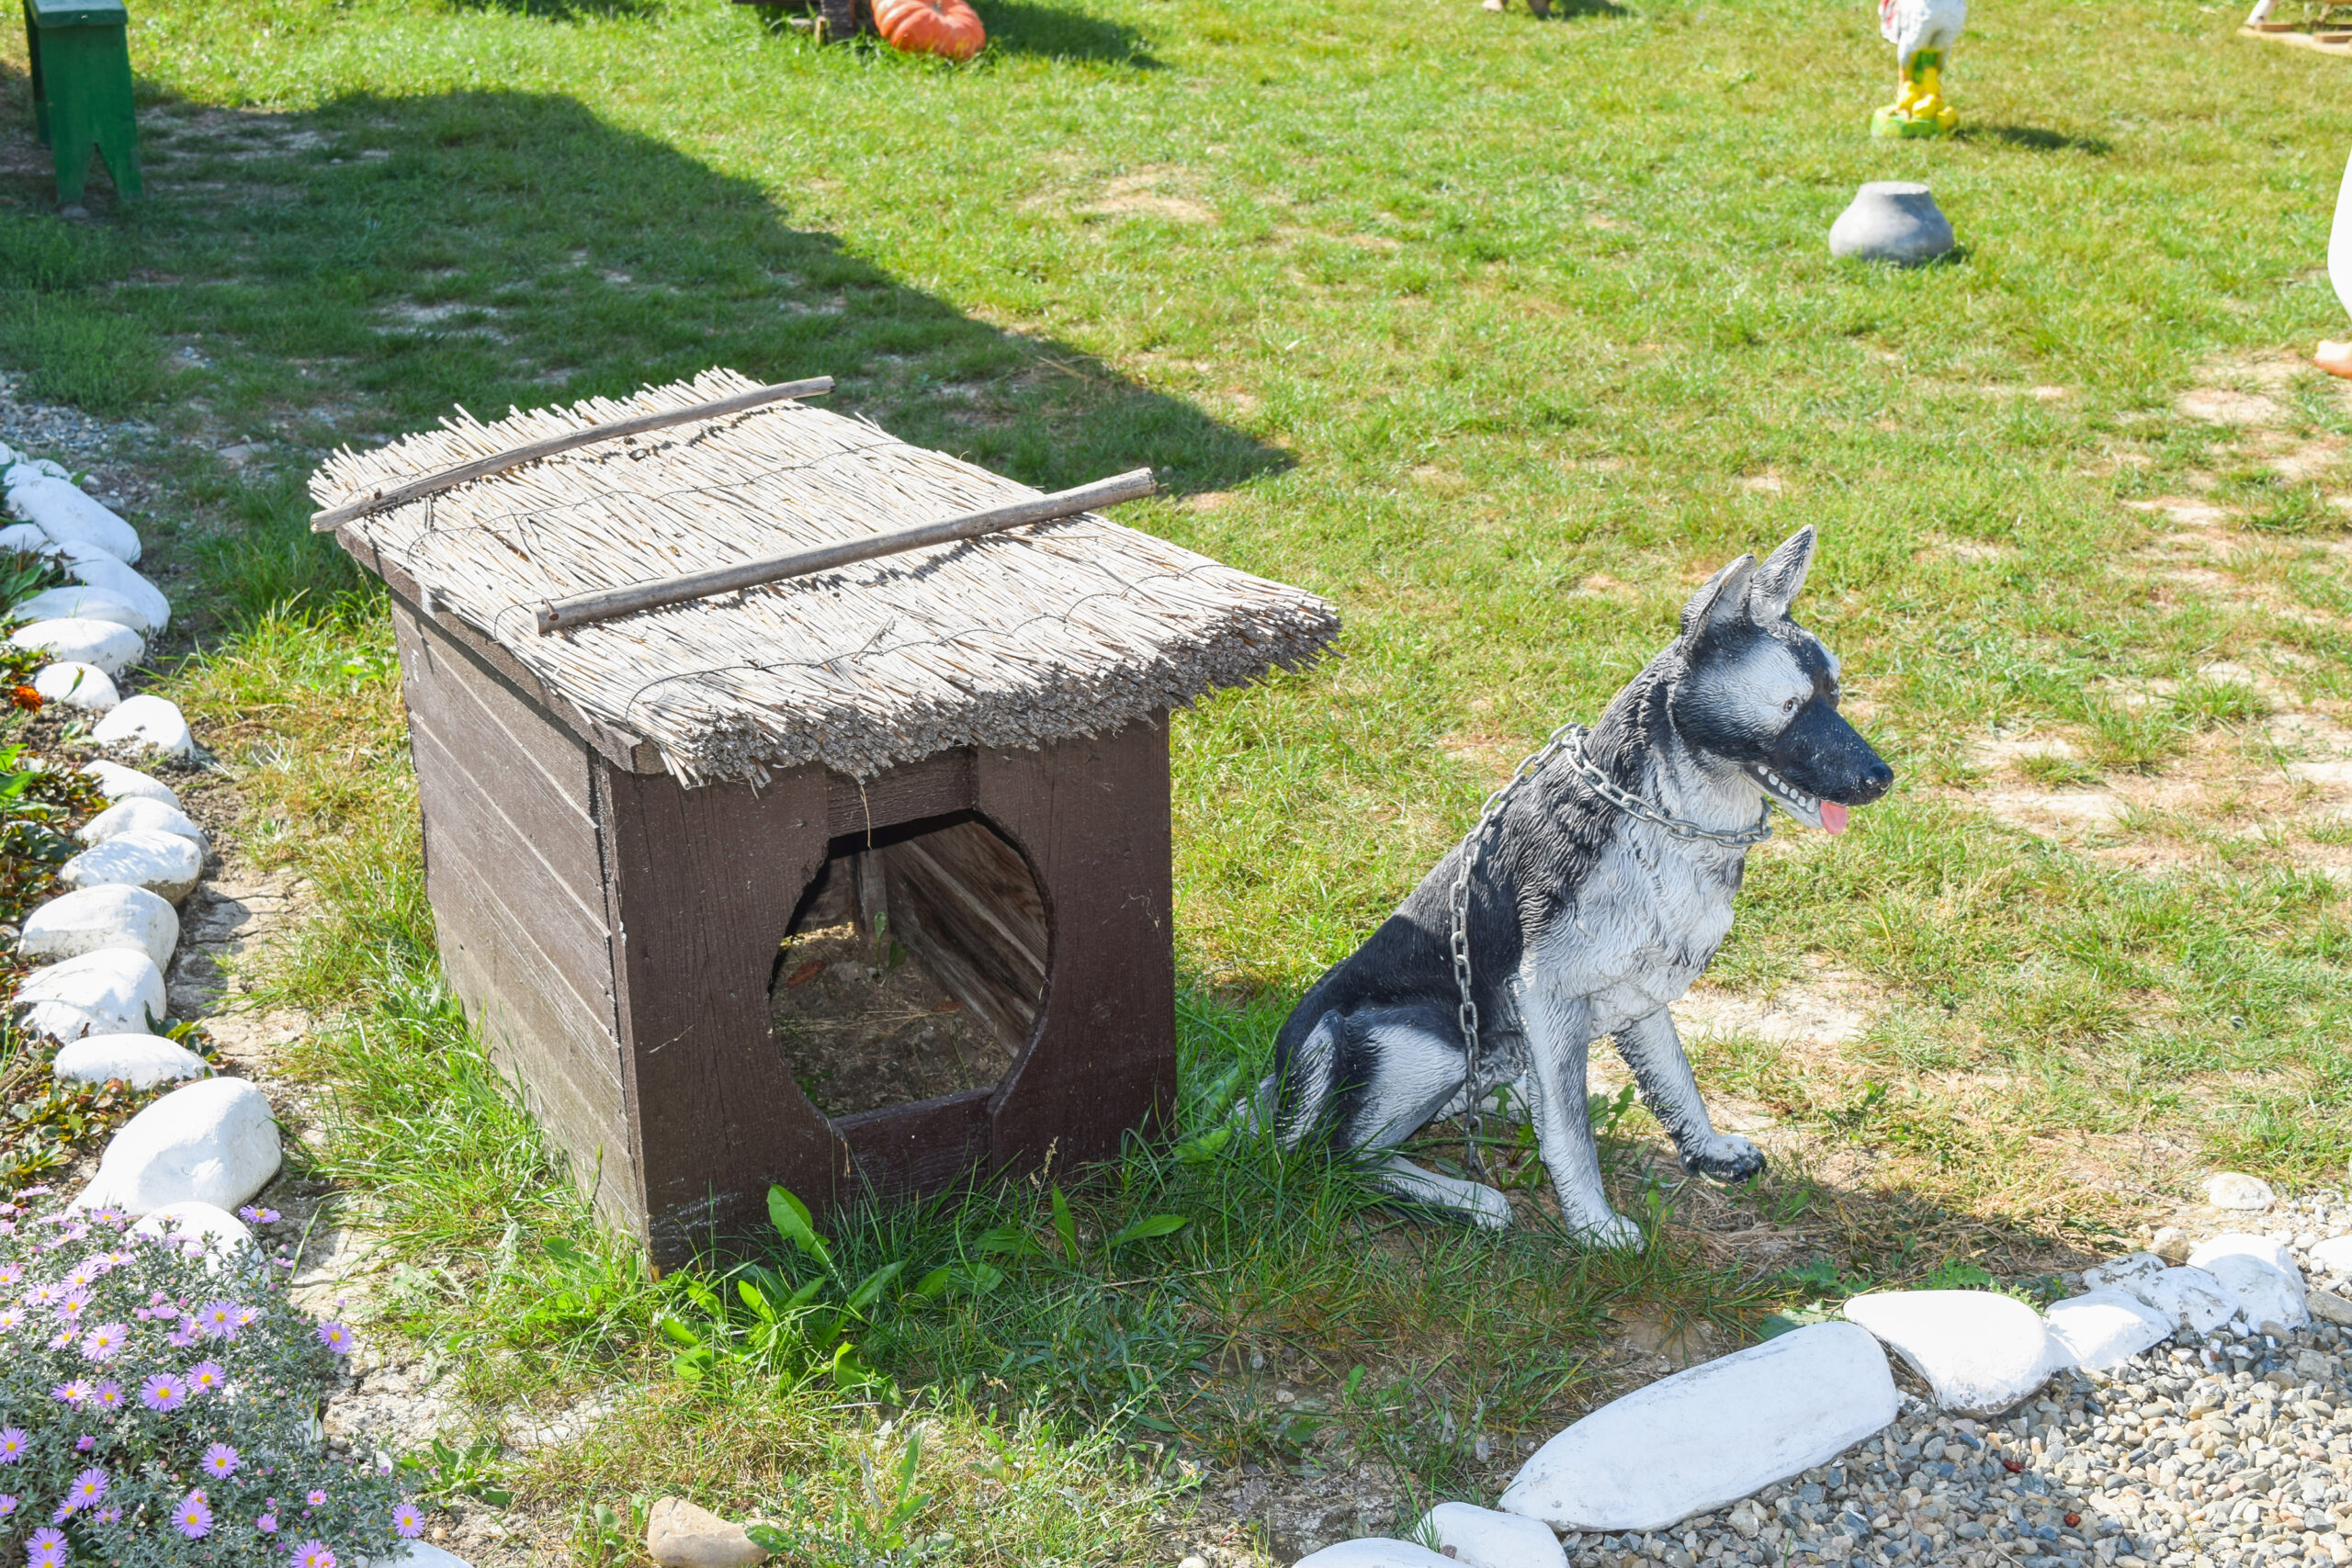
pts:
[1035, 635]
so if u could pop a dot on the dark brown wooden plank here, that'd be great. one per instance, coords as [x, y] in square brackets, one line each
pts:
[937, 786]
[468, 827]
[1090, 816]
[907, 1149]
[964, 904]
[539, 1032]
[483, 716]
[706, 882]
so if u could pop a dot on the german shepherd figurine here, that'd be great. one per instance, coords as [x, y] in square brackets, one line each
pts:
[1599, 887]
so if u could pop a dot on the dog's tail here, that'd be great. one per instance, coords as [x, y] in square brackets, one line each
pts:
[1297, 1096]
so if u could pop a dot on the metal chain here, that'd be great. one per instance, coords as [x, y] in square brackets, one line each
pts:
[1458, 900]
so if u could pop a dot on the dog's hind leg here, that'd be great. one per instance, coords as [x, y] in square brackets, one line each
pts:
[1653, 1049]
[1295, 1097]
[1470, 1202]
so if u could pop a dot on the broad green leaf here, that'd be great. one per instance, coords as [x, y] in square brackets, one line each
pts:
[1064, 1225]
[1144, 1229]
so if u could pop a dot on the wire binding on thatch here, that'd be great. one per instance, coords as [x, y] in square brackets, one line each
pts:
[1075, 627]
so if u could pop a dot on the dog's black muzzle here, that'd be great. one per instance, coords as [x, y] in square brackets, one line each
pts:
[1822, 754]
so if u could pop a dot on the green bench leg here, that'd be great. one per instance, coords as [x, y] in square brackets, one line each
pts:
[81, 81]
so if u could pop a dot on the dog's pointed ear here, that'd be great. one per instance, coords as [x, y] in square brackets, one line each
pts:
[1723, 597]
[1775, 586]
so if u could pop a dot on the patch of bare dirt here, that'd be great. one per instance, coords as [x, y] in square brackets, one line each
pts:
[1162, 191]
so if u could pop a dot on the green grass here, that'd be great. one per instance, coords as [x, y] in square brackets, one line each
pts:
[1501, 334]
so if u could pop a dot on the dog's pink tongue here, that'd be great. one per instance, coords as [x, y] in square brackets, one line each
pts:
[1833, 817]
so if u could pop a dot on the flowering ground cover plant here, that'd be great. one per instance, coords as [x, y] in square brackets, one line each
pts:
[157, 1405]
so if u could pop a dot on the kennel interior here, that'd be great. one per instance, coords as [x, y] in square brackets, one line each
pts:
[853, 883]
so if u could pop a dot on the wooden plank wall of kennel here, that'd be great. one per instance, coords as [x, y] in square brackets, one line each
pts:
[614, 935]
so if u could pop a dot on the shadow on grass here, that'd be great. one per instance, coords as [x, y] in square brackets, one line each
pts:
[1060, 33]
[397, 255]
[2035, 139]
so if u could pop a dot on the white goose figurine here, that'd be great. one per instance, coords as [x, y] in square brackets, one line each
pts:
[2337, 357]
[1921, 30]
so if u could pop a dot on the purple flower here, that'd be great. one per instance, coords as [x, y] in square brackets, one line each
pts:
[47, 1548]
[217, 1320]
[335, 1337]
[180, 1339]
[247, 1316]
[219, 1461]
[163, 1392]
[86, 1442]
[73, 1231]
[254, 1216]
[110, 1514]
[313, 1554]
[317, 1498]
[73, 1392]
[12, 1443]
[192, 1518]
[266, 1524]
[71, 1303]
[87, 1488]
[11, 1317]
[105, 1342]
[107, 1395]
[206, 1377]
[7, 1505]
[407, 1523]
[11, 1272]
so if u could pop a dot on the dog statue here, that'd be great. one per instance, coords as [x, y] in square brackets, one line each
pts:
[1597, 888]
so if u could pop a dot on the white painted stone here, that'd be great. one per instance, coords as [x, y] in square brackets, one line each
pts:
[138, 816]
[417, 1554]
[95, 919]
[1481, 1538]
[165, 864]
[2239, 1243]
[2107, 1328]
[25, 539]
[1980, 1353]
[101, 570]
[2233, 1190]
[1377, 1551]
[2334, 1256]
[80, 600]
[2261, 1293]
[154, 723]
[83, 686]
[2189, 1298]
[143, 1061]
[1711, 1435]
[59, 508]
[212, 1141]
[119, 782]
[2128, 1273]
[111, 991]
[111, 648]
[210, 1229]
[25, 469]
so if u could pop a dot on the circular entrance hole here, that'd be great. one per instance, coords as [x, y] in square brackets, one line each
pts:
[913, 970]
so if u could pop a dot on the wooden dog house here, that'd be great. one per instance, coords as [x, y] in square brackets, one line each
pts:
[958, 756]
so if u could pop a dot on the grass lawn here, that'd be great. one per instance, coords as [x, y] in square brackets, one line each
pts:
[1501, 333]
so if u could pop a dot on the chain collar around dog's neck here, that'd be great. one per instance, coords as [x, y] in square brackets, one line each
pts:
[1570, 738]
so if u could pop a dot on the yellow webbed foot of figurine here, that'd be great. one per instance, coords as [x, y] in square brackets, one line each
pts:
[1894, 121]
[2335, 358]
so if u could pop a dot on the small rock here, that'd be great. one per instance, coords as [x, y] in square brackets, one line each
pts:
[143, 1061]
[82, 601]
[213, 1142]
[1375, 1551]
[138, 816]
[151, 722]
[2328, 1308]
[96, 918]
[1711, 1435]
[2261, 1291]
[102, 570]
[111, 991]
[1891, 221]
[165, 864]
[680, 1535]
[1980, 1353]
[2104, 1327]
[83, 686]
[210, 1228]
[77, 640]
[2333, 1256]
[2233, 1190]
[2128, 1273]
[2170, 1243]
[1485, 1538]
[119, 782]
[59, 509]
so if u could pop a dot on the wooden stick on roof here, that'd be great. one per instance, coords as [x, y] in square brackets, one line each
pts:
[327, 522]
[605, 604]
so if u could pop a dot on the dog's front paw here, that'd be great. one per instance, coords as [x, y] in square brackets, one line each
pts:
[1615, 1233]
[1725, 1158]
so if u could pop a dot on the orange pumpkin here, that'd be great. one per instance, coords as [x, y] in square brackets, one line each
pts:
[949, 28]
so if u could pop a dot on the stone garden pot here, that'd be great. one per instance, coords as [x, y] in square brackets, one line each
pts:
[1891, 221]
